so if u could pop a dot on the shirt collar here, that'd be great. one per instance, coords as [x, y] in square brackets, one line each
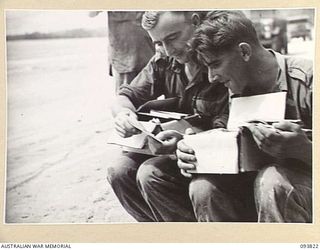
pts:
[176, 66]
[199, 76]
[282, 78]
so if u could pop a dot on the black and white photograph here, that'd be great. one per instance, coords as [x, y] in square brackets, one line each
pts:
[139, 116]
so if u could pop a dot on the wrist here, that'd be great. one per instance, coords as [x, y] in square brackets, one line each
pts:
[303, 153]
[126, 111]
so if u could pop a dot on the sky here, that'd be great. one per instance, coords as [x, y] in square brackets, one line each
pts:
[28, 21]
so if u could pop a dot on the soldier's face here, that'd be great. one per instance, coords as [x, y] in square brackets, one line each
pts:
[227, 68]
[173, 31]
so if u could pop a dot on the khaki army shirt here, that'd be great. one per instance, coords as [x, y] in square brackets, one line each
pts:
[296, 78]
[165, 76]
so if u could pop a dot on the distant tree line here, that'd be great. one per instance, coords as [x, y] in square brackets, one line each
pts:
[75, 33]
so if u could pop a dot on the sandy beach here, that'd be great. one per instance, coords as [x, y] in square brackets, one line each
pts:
[59, 94]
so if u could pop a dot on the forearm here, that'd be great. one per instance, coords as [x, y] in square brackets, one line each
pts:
[122, 102]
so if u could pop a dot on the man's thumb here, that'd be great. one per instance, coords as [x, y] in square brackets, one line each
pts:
[189, 131]
[287, 126]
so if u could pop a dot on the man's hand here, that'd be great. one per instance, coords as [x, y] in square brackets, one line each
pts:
[170, 139]
[186, 157]
[285, 140]
[122, 124]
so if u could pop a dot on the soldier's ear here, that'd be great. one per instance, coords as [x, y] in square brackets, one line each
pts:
[245, 51]
[195, 19]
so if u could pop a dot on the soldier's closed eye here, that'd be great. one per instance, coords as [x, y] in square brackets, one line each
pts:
[172, 37]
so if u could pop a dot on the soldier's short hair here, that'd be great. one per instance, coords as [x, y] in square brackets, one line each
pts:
[222, 30]
[150, 18]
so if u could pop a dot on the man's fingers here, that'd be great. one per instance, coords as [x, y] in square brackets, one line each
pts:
[268, 135]
[122, 120]
[185, 156]
[163, 135]
[120, 131]
[257, 136]
[186, 166]
[125, 133]
[287, 126]
[185, 174]
[128, 127]
[184, 147]
[189, 131]
[272, 134]
[169, 135]
[170, 143]
[265, 136]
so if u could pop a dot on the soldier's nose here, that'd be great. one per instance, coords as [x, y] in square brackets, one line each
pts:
[213, 78]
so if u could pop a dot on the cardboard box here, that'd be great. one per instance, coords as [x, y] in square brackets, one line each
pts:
[226, 152]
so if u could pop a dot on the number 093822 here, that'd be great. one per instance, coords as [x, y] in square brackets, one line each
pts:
[309, 245]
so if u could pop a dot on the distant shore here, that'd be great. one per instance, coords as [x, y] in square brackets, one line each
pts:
[75, 33]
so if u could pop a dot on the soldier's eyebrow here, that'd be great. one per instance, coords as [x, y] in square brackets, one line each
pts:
[167, 37]
[213, 62]
[209, 60]
[171, 35]
[210, 63]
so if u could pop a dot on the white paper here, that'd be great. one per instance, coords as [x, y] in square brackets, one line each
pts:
[134, 141]
[216, 151]
[167, 115]
[145, 128]
[267, 107]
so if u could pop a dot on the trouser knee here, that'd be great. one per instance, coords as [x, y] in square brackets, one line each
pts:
[205, 198]
[283, 195]
[116, 174]
[201, 190]
[271, 180]
[165, 189]
[158, 173]
[216, 198]
[124, 169]
[147, 174]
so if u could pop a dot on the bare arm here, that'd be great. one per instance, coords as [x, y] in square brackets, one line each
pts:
[122, 102]
[137, 93]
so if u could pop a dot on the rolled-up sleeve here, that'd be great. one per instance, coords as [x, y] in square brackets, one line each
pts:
[141, 89]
